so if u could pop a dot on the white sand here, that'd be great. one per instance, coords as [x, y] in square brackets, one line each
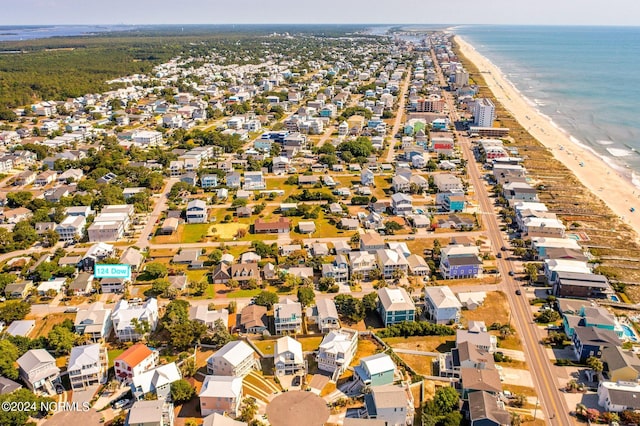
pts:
[602, 180]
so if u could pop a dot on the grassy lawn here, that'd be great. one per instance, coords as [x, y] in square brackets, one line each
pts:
[309, 344]
[244, 293]
[44, 325]
[323, 228]
[113, 354]
[422, 343]
[267, 347]
[494, 309]
[228, 231]
[419, 363]
[194, 232]
[366, 348]
[514, 389]
[511, 342]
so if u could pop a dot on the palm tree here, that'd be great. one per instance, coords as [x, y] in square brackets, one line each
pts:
[581, 409]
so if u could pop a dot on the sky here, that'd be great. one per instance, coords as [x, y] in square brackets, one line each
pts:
[138, 12]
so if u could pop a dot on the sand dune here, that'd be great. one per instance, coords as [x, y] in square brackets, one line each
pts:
[602, 180]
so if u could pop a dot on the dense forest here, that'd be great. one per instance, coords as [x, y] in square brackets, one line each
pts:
[59, 68]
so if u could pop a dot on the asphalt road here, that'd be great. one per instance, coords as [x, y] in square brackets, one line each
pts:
[547, 388]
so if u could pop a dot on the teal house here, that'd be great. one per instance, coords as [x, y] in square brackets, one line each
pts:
[375, 370]
[395, 305]
[588, 316]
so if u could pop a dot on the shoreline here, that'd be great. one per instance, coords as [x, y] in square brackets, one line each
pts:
[616, 190]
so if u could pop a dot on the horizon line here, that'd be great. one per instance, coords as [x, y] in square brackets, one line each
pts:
[321, 23]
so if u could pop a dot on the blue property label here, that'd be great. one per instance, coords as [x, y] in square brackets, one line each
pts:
[112, 271]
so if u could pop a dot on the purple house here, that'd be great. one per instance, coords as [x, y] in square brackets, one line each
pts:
[458, 261]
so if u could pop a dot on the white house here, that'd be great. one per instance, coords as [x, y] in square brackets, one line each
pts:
[288, 358]
[38, 370]
[391, 261]
[93, 322]
[253, 181]
[619, 396]
[337, 350]
[401, 204]
[125, 316]
[71, 228]
[391, 403]
[197, 211]
[326, 315]
[157, 380]
[201, 313]
[88, 366]
[235, 358]
[287, 317]
[441, 305]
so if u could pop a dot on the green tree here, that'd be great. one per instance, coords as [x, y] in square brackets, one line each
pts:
[370, 302]
[188, 368]
[160, 286]
[198, 287]
[19, 198]
[249, 409]
[26, 399]
[13, 310]
[306, 296]
[446, 400]
[220, 335]
[595, 364]
[350, 307]
[266, 299]
[182, 391]
[61, 339]
[156, 270]
[9, 353]
[6, 278]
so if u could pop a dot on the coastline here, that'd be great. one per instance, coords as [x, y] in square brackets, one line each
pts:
[615, 189]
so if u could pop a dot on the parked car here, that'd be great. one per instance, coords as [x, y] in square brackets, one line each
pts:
[120, 404]
[511, 273]
[518, 292]
[71, 310]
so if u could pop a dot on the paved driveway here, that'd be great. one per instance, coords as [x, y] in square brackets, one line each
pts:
[85, 395]
[516, 376]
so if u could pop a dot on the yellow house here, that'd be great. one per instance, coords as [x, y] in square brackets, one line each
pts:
[620, 365]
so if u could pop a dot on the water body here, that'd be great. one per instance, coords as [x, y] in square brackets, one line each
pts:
[31, 32]
[584, 79]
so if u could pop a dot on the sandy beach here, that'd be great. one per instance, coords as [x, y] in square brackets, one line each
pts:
[601, 179]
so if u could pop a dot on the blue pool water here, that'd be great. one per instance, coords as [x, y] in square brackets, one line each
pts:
[419, 211]
[628, 333]
[573, 237]
[614, 298]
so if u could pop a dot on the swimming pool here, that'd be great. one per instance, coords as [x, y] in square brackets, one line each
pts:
[629, 333]
[574, 237]
[419, 211]
[614, 298]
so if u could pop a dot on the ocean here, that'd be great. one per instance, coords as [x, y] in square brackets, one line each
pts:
[584, 79]
[30, 32]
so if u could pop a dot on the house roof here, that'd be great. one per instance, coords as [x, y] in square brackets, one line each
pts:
[326, 308]
[216, 419]
[371, 238]
[234, 352]
[483, 405]
[467, 351]
[395, 299]
[615, 358]
[221, 387]
[287, 309]
[34, 359]
[596, 336]
[286, 345]
[442, 297]
[8, 386]
[156, 377]
[625, 394]
[144, 412]
[21, 327]
[480, 380]
[389, 396]
[391, 257]
[134, 355]
[253, 316]
[338, 341]
[83, 356]
[378, 363]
